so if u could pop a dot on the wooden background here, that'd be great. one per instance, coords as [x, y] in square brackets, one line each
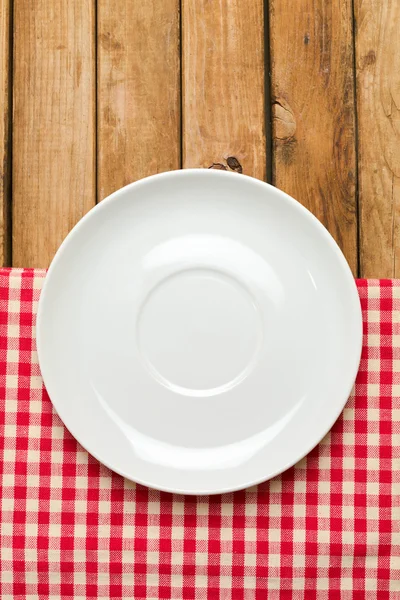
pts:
[304, 94]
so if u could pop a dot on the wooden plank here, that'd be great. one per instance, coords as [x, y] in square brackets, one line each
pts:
[312, 84]
[378, 103]
[223, 85]
[5, 129]
[138, 91]
[53, 124]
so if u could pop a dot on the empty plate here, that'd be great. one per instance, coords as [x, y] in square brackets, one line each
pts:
[199, 331]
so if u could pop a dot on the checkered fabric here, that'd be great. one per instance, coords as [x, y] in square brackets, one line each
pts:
[328, 528]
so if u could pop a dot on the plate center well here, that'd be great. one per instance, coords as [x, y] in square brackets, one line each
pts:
[199, 332]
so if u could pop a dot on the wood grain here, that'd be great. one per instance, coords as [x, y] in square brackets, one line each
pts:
[138, 91]
[223, 84]
[378, 100]
[313, 112]
[53, 124]
[5, 129]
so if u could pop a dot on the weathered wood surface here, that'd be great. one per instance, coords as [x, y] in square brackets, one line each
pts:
[5, 129]
[313, 112]
[53, 159]
[95, 95]
[138, 99]
[223, 85]
[378, 101]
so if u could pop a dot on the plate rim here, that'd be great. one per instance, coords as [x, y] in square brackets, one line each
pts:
[296, 205]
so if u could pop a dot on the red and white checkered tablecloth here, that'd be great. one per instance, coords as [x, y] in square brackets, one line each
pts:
[328, 528]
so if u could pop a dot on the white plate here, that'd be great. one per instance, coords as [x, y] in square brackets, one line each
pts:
[199, 331]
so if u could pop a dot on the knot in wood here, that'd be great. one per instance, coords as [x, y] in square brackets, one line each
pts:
[284, 120]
